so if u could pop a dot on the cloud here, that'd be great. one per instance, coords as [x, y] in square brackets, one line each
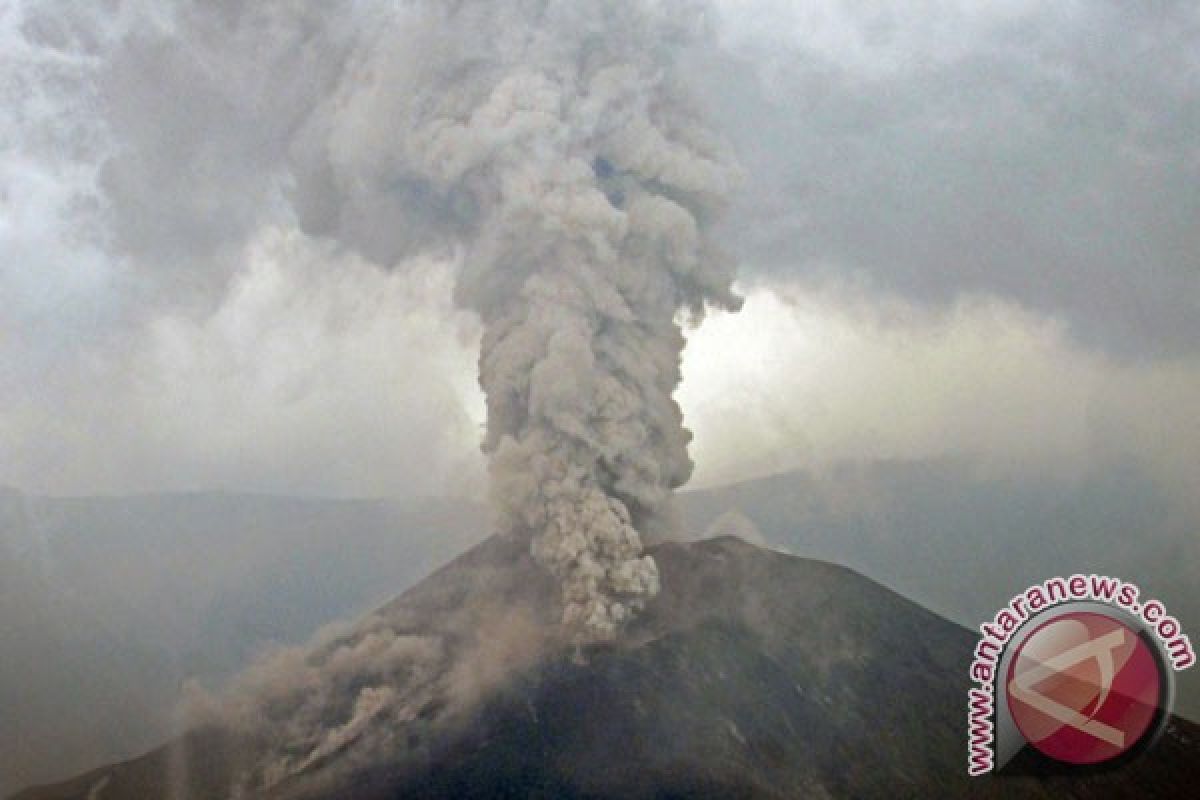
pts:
[1044, 153]
[942, 156]
[165, 324]
[808, 379]
[316, 373]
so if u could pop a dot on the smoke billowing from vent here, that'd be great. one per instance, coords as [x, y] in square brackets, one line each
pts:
[544, 148]
[549, 146]
[548, 149]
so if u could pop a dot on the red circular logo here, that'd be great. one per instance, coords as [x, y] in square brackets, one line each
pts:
[1084, 688]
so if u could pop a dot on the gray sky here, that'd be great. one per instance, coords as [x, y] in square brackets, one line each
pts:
[964, 227]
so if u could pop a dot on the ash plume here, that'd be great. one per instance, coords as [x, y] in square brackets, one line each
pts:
[550, 146]
[545, 149]
[549, 151]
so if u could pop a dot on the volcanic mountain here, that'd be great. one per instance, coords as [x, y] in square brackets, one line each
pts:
[753, 674]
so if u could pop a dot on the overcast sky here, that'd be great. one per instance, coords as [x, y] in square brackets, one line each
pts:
[964, 227]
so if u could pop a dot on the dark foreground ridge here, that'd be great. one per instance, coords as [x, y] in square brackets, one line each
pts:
[754, 674]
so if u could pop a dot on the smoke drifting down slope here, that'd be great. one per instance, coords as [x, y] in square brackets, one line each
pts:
[550, 146]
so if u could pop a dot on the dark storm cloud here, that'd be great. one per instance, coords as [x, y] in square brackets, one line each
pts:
[1054, 160]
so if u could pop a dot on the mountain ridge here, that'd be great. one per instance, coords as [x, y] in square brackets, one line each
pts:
[753, 674]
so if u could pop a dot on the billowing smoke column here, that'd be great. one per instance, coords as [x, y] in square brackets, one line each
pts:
[552, 139]
[549, 145]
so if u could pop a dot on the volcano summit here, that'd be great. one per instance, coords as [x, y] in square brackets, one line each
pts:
[751, 674]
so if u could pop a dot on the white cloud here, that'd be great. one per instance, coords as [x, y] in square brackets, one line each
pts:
[872, 39]
[316, 373]
[807, 379]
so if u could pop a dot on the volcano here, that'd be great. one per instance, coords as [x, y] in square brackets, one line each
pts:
[752, 674]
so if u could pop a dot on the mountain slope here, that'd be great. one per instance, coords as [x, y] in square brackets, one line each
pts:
[753, 674]
[110, 603]
[962, 540]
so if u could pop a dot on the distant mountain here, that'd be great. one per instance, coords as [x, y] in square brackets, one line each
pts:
[70, 686]
[754, 674]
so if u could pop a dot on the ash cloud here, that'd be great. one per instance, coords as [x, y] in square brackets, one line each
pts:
[547, 148]
[389, 686]
[1040, 155]
[554, 146]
